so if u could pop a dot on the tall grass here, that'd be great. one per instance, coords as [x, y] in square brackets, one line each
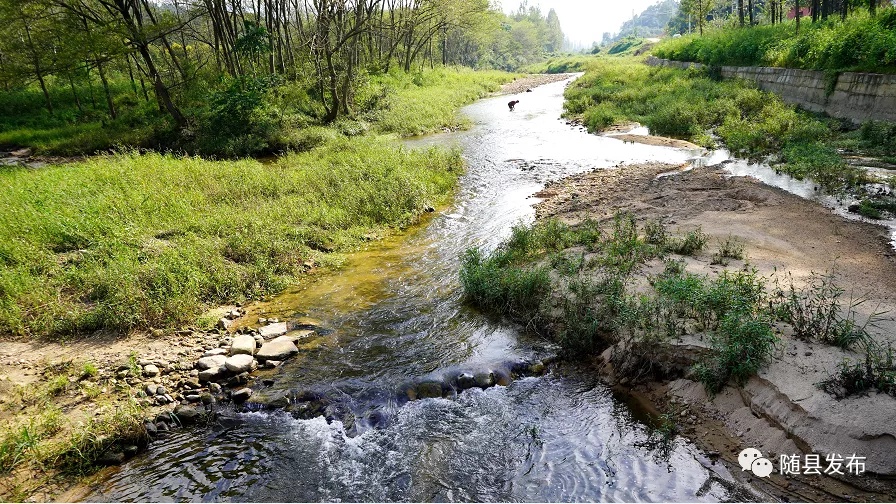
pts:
[425, 101]
[237, 117]
[860, 43]
[134, 240]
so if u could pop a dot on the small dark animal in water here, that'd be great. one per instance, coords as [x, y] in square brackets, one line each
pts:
[513, 104]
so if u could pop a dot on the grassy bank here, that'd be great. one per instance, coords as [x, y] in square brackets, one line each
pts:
[586, 287]
[860, 43]
[237, 117]
[690, 105]
[128, 240]
[134, 240]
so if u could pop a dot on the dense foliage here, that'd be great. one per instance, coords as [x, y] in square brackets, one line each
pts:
[232, 78]
[860, 42]
[690, 105]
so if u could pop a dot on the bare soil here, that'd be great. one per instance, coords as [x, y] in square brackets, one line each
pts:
[523, 84]
[781, 410]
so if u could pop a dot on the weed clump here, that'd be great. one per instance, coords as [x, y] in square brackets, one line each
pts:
[692, 243]
[817, 312]
[878, 371]
[730, 248]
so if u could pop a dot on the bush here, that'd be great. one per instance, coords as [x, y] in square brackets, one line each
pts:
[742, 345]
[860, 43]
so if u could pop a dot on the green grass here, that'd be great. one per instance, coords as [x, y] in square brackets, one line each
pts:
[818, 312]
[561, 64]
[689, 105]
[425, 101]
[583, 301]
[131, 240]
[237, 117]
[860, 43]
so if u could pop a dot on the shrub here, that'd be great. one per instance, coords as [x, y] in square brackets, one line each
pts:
[817, 312]
[743, 344]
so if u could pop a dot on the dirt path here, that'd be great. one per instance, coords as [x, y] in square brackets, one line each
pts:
[782, 410]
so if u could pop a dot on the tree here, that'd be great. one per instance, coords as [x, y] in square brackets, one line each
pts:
[699, 10]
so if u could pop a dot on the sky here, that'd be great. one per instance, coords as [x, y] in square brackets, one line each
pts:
[585, 21]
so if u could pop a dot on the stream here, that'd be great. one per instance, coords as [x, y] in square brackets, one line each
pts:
[394, 313]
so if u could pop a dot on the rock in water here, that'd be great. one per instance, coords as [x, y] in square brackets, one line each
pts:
[240, 363]
[485, 379]
[240, 396]
[465, 381]
[277, 349]
[273, 330]
[212, 374]
[188, 415]
[429, 390]
[110, 459]
[243, 344]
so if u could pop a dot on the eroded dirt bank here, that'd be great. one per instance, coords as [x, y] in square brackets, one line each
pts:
[782, 410]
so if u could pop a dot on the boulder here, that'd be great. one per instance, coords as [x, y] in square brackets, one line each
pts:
[224, 324]
[429, 390]
[151, 370]
[151, 389]
[277, 349]
[240, 396]
[211, 362]
[243, 344]
[215, 351]
[465, 381]
[110, 458]
[240, 363]
[188, 415]
[485, 379]
[212, 374]
[273, 330]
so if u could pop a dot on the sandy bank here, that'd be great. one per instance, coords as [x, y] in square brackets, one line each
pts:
[781, 410]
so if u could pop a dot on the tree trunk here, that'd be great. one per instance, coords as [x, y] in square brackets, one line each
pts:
[740, 13]
[109, 102]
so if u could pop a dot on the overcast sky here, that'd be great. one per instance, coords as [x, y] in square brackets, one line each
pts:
[585, 21]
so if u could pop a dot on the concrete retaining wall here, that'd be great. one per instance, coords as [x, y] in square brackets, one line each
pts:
[856, 96]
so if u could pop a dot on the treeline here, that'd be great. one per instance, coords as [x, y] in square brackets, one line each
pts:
[213, 60]
[829, 35]
[694, 15]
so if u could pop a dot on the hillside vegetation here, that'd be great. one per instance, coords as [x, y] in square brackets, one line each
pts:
[861, 42]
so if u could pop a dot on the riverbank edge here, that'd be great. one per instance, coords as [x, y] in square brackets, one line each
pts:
[118, 358]
[722, 423]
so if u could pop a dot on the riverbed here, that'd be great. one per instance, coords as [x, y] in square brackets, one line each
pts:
[395, 313]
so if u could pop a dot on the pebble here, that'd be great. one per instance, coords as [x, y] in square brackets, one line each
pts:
[151, 370]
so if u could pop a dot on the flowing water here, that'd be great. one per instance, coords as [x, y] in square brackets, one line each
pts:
[395, 313]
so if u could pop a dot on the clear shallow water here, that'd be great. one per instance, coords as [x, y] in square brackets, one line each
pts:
[395, 312]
